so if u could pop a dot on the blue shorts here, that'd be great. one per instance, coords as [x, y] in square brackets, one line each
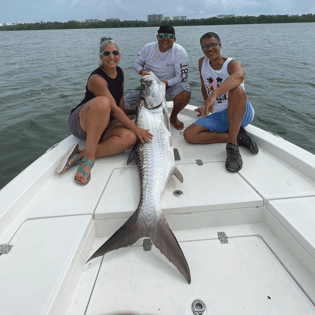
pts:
[219, 121]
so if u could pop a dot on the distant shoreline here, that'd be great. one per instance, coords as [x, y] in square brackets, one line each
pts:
[261, 19]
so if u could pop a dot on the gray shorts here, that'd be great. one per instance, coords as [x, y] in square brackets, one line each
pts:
[131, 99]
[74, 124]
[75, 128]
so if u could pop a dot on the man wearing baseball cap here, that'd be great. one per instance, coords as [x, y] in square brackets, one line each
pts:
[169, 62]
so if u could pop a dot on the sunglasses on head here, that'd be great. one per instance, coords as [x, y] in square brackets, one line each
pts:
[106, 53]
[168, 36]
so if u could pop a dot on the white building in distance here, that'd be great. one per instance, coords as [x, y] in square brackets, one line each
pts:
[16, 23]
[155, 17]
[180, 18]
[222, 16]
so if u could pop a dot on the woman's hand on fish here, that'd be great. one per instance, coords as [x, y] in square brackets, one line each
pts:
[143, 135]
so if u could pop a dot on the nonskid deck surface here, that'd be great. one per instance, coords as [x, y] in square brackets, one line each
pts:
[256, 208]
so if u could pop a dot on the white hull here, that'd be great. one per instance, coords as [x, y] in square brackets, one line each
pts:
[267, 211]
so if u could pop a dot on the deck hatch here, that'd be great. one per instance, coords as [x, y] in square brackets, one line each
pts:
[241, 277]
[196, 193]
[34, 268]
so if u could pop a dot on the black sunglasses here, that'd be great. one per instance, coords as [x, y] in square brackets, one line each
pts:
[106, 53]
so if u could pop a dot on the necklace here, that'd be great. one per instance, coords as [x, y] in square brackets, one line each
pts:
[161, 53]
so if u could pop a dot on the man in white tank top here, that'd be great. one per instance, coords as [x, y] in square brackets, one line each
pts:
[169, 62]
[226, 109]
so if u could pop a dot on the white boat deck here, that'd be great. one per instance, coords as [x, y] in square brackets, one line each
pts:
[267, 212]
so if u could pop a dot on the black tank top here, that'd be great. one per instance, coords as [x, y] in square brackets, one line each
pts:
[115, 87]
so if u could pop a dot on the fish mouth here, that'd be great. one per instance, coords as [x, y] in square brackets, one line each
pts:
[150, 107]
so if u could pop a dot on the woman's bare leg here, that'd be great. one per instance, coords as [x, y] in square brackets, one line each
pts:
[94, 118]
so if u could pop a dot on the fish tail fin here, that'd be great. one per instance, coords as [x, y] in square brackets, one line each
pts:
[164, 239]
[125, 236]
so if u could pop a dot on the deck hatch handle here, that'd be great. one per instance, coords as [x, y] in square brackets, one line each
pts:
[147, 244]
[176, 155]
[222, 237]
[199, 162]
[5, 248]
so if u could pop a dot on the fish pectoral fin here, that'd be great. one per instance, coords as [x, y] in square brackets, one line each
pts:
[125, 236]
[178, 175]
[164, 239]
[132, 154]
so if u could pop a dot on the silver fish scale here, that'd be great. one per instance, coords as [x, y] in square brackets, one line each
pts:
[156, 162]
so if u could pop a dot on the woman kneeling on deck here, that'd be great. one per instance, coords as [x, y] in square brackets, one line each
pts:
[93, 119]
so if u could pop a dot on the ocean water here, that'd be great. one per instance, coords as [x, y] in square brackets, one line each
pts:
[43, 75]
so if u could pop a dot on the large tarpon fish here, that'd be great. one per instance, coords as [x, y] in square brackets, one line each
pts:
[155, 160]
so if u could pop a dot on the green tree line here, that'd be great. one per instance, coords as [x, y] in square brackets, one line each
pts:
[261, 19]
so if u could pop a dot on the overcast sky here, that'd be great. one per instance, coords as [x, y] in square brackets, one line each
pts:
[62, 10]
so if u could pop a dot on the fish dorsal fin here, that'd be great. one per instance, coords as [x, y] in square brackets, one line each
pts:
[178, 175]
[132, 154]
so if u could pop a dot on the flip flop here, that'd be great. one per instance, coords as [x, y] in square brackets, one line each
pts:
[72, 153]
[86, 163]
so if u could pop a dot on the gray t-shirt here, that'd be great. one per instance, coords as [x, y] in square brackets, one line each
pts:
[170, 66]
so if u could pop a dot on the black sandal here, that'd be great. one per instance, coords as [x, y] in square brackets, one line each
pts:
[244, 140]
[234, 160]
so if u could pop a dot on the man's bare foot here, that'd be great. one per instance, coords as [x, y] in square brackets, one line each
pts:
[177, 124]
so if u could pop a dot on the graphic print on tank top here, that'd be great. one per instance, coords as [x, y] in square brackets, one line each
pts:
[212, 86]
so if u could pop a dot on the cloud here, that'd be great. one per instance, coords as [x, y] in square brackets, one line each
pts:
[251, 4]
